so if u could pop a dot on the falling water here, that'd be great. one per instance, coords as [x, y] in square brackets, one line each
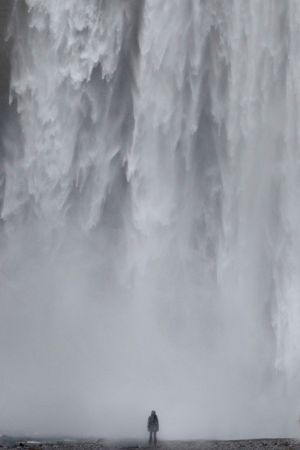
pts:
[150, 239]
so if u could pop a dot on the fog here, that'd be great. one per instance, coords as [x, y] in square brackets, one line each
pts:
[150, 235]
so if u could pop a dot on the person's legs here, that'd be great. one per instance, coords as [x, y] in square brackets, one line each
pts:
[155, 440]
[150, 438]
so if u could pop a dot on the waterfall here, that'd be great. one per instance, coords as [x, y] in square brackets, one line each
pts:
[150, 238]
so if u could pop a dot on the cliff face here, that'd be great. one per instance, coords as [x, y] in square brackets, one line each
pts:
[5, 9]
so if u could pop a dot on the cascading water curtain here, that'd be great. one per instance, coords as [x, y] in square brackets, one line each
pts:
[150, 239]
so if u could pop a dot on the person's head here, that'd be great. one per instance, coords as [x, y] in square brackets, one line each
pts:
[153, 413]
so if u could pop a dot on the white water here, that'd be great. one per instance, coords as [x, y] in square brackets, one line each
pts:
[150, 248]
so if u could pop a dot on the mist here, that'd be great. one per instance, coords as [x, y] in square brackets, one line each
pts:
[149, 237]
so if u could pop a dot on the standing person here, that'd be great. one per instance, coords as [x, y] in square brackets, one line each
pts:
[153, 427]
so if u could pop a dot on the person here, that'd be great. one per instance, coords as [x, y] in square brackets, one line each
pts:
[153, 427]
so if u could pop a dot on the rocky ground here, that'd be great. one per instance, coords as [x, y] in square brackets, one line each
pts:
[12, 443]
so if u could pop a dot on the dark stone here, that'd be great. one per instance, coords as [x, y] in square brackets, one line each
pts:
[5, 11]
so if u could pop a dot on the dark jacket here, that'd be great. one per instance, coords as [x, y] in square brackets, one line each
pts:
[153, 424]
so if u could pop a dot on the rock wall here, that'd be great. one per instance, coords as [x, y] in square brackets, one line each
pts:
[5, 8]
